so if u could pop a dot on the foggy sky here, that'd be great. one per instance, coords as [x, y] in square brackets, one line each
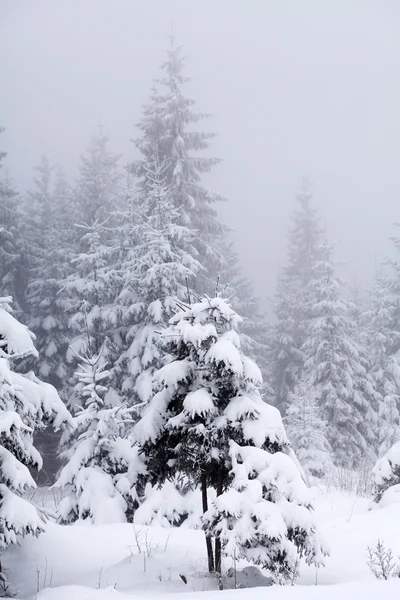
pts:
[295, 88]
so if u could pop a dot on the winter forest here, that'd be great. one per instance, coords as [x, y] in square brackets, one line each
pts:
[163, 427]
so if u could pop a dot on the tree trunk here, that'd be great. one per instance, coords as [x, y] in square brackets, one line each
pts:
[210, 554]
[218, 539]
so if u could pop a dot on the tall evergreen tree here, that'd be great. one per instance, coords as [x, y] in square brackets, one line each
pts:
[26, 406]
[167, 125]
[92, 286]
[156, 272]
[337, 368]
[47, 231]
[12, 254]
[383, 337]
[306, 430]
[292, 300]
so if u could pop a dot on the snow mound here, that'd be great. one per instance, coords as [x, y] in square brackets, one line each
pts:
[18, 338]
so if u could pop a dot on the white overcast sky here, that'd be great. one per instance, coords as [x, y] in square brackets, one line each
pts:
[295, 88]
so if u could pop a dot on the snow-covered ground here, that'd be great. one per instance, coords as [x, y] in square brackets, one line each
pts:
[84, 562]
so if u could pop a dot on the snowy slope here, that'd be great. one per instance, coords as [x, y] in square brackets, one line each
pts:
[104, 561]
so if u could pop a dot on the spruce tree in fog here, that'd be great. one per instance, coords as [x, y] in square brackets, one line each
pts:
[337, 368]
[169, 119]
[45, 231]
[26, 406]
[292, 299]
[156, 272]
[306, 430]
[12, 247]
[90, 290]
[383, 337]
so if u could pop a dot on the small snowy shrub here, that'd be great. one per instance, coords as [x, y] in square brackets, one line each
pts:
[26, 406]
[386, 477]
[381, 562]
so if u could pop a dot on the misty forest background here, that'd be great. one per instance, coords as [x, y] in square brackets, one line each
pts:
[95, 266]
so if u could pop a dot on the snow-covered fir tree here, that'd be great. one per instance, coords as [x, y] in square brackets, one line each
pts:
[306, 430]
[45, 229]
[99, 183]
[265, 517]
[92, 289]
[26, 406]
[156, 272]
[337, 368]
[206, 411]
[167, 125]
[47, 232]
[383, 337]
[292, 298]
[12, 255]
[100, 473]
[89, 292]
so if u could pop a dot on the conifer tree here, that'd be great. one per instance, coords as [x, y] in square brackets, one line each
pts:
[89, 292]
[207, 410]
[45, 230]
[156, 273]
[167, 125]
[337, 368]
[383, 337]
[47, 227]
[99, 183]
[292, 300]
[12, 255]
[98, 477]
[26, 406]
[306, 430]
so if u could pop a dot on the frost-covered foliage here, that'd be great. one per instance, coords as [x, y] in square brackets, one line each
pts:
[170, 505]
[102, 464]
[167, 129]
[293, 298]
[266, 516]
[12, 260]
[156, 271]
[337, 368]
[307, 432]
[207, 397]
[26, 406]
[47, 227]
[386, 477]
[383, 336]
[254, 330]
[91, 288]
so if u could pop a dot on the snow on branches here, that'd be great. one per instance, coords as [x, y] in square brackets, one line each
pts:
[102, 465]
[206, 411]
[26, 406]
